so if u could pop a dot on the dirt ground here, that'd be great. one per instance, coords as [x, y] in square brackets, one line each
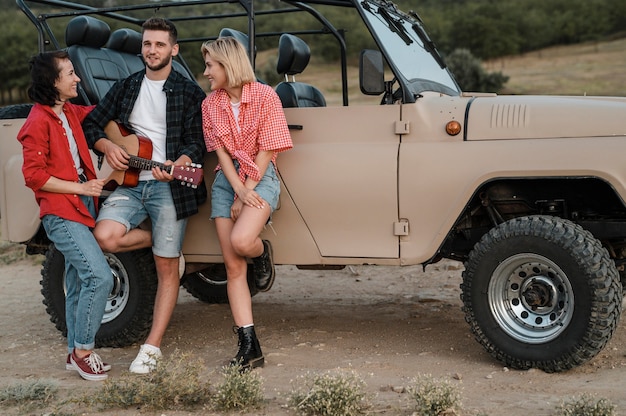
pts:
[388, 324]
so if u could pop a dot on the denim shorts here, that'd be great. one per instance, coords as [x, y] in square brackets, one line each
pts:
[223, 195]
[149, 199]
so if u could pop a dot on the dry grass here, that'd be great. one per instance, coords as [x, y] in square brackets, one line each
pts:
[595, 68]
[337, 393]
[434, 397]
[586, 405]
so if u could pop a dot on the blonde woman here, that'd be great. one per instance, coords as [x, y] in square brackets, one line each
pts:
[244, 124]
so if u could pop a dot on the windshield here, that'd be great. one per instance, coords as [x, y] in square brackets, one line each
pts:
[408, 49]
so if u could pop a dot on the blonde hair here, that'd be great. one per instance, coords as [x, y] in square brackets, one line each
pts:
[232, 55]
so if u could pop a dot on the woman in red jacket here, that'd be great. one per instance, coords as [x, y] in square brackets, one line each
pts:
[58, 168]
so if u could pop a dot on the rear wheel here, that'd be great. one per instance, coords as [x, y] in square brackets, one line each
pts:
[209, 284]
[541, 292]
[128, 314]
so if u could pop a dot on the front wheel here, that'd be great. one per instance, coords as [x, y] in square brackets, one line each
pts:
[128, 314]
[541, 292]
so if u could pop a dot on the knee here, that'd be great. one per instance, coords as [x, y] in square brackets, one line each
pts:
[242, 245]
[105, 240]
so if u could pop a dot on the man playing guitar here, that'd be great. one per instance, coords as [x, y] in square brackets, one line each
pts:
[162, 105]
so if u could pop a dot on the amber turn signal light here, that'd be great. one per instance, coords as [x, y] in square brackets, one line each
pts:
[453, 128]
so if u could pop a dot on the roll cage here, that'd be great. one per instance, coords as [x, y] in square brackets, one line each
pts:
[408, 51]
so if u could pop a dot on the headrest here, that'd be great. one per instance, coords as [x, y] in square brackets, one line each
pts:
[87, 31]
[239, 36]
[293, 55]
[126, 40]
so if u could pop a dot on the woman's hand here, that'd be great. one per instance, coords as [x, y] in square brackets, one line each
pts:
[235, 209]
[93, 187]
[250, 198]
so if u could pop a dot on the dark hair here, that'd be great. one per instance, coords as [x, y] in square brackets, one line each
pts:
[159, 23]
[44, 72]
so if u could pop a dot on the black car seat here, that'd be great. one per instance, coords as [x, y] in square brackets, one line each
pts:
[98, 68]
[240, 36]
[293, 57]
[128, 43]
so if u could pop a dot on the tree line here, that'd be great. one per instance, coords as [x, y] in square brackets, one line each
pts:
[484, 29]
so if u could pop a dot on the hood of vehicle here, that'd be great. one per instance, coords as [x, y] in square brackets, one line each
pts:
[532, 117]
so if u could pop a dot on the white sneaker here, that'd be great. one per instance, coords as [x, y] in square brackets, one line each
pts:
[181, 266]
[146, 359]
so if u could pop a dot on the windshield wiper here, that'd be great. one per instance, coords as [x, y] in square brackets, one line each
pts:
[395, 26]
[429, 45]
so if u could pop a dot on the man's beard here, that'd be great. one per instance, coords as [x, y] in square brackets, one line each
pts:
[165, 62]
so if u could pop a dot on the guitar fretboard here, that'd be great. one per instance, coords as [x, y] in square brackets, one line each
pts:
[147, 164]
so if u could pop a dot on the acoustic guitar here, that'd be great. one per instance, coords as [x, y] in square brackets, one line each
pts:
[140, 151]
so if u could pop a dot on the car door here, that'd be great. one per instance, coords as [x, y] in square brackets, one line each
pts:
[342, 177]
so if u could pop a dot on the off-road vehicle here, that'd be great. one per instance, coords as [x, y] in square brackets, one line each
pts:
[403, 168]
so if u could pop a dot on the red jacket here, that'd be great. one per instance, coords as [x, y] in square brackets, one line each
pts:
[47, 153]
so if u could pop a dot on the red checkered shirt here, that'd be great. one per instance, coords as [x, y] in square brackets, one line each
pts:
[262, 126]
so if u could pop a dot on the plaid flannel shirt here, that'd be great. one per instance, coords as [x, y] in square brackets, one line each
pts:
[184, 127]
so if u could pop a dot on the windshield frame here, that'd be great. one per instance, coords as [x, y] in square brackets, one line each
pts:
[410, 54]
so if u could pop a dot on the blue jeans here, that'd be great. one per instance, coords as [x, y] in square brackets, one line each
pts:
[88, 278]
[149, 199]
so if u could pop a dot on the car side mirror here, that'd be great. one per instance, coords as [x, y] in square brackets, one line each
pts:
[371, 72]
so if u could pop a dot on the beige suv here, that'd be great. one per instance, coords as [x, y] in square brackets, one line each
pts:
[528, 191]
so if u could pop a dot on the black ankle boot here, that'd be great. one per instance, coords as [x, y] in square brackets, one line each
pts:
[264, 271]
[249, 355]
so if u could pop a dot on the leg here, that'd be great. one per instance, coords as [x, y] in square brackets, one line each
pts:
[250, 354]
[72, 288]
[167, 237]
[89, 282]
[236, 269]
[116, 228]
[238, 240]
[113, 237]
[248, 227]
[245, 233]
[166, 297]
[246, 242]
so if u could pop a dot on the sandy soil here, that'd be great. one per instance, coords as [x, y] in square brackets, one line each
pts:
[389, 324]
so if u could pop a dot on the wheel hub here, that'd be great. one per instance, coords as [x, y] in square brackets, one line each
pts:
[531, 298]
[539, 294]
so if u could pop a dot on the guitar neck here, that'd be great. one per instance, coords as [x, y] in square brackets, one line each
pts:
[147, 164]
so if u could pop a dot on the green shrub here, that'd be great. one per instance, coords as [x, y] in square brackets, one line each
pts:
[329, 394]
[29, 394]
[434, 397]
[586, 405]
[470, 75]
[174, 384]
[240, 390]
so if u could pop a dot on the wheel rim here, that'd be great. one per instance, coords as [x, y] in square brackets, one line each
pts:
[531, 298]
[118, 298]
[211, 275]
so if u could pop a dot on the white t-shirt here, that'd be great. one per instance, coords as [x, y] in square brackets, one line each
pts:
[148, 119]
[72, 142]
[235, 107]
